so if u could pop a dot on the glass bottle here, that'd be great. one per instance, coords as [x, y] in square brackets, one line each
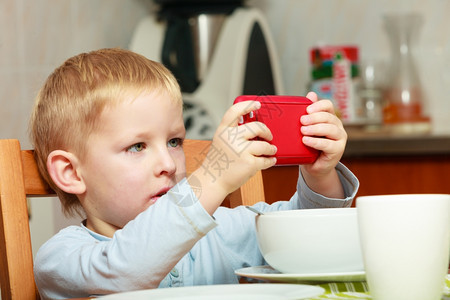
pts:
[404, 103]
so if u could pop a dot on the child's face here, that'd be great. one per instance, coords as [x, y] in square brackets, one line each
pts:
[132, 160]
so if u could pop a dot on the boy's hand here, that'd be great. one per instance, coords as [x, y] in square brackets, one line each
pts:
[234, 156]
[323, 130]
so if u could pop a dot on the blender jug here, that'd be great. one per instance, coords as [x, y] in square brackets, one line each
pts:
[404, 101]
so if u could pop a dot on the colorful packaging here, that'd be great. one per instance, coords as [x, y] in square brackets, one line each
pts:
[335, 76]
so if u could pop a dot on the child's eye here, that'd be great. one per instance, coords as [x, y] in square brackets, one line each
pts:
[138, 147]
[175, 142]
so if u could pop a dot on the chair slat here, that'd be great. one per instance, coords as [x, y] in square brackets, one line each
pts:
[16, 274]
[250, 193]
[34, 184]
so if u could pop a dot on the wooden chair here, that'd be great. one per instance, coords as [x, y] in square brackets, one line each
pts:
[250, 193]
[19, 179]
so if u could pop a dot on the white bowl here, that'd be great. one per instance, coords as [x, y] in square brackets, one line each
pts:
[311, 241]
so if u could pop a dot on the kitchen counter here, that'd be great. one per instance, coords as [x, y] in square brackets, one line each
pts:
[382, 143]
[384, 163]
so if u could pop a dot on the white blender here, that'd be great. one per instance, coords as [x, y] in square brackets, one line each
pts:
[217, 50]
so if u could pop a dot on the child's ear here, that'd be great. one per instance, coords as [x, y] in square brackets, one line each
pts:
[62, 168]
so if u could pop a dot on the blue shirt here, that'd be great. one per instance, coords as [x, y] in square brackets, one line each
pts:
[175, 242]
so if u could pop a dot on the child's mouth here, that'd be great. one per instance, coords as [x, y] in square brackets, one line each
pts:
[159, 195]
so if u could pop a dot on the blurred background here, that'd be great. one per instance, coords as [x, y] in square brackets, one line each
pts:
[37, 36]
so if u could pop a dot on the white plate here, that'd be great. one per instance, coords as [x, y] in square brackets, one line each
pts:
[262, 291]
[267, 273]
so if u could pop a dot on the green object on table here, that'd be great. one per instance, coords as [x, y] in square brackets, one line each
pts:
[359, 290]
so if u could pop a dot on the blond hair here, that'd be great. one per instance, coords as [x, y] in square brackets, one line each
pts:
[69, 103]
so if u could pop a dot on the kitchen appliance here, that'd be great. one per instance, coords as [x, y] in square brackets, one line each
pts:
[217, 50]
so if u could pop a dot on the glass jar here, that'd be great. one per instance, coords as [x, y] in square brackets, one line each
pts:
[403, 97]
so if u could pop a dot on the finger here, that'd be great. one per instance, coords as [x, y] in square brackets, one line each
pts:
[261, 148]
[321, 105]
[234, 113]
[257, 129]
[324, 130]
[320, 117]
[325, 145]
[265, 162]
[242, 134]
[312, 96]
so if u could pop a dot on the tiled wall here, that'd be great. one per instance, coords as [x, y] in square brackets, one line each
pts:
[37, 36]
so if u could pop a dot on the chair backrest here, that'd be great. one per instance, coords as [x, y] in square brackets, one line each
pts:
[249, 193]
[20, 178]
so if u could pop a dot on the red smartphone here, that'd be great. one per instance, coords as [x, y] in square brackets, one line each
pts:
[282, 115]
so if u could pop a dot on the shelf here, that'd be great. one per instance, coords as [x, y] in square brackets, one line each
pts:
[384, 143]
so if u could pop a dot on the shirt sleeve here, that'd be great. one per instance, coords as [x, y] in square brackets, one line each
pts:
[311, 199]
[233, 243]
[74, 263]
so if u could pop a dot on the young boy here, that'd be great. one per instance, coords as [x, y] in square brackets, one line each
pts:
[108, 132]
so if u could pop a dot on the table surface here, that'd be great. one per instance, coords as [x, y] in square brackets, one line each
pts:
[359, 290]
[352, 290]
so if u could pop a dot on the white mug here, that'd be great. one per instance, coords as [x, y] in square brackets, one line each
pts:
[405, 240]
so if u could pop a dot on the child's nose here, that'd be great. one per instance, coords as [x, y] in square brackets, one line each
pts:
[165, 164]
